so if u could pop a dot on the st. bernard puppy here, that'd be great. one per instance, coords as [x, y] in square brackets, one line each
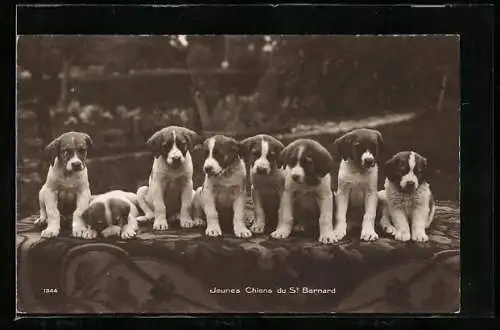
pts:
[67, 183]
[168, 196]
[358, 153]
[224, 188]
[262, 153]
[113, 213]
[307, 183]
[407, 197]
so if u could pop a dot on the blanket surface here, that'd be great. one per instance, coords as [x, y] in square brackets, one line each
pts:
[182, 271]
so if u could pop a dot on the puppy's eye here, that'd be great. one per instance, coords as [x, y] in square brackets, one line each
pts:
[255, 152]
[66, 153]
[272, 154]
[308, 159]
[81, 151]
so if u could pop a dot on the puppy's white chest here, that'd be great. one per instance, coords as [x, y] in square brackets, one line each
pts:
[225, 196]
[269, 184]
[350, 177]
[70, 183]
[408, 203]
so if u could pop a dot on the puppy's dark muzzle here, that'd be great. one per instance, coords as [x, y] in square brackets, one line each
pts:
[409, 187]
[261, 170]
[367, 163]
[99, 225]
[209, 170]
[77, 166]
[296, 178]
[176, 162]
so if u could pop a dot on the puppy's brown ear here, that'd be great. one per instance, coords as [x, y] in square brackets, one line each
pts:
[88, 140]
[245, 146]
[390, 168]
[154, 143]
[200, 147]
[52, 150]
[192, 138]
[323, 162]
[342, 147]
[124, 212]
[239, 148]
[285, 156]
[424, 168]
[86, 215]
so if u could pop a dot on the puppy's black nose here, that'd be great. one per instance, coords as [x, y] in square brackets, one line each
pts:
[76, 166]
[296, 177]
[99, 225]
[410, 184]
[208, 169]
[369, 162]
[176, 159]
[261, 170]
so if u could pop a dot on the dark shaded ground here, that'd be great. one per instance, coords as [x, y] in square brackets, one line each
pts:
[435, 138]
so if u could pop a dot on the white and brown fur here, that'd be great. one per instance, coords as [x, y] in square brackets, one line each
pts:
[224, 187]
[358, 152]
[169, 194]
[113, 213]
[407, 197]
[262, 154]
[307, 186]
[66, 184]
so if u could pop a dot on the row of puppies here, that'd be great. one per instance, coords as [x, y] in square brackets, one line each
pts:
[282, 178]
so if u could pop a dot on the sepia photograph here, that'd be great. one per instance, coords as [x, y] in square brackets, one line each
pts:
[178, 174]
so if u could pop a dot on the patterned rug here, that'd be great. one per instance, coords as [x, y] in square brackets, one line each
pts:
[182, 271]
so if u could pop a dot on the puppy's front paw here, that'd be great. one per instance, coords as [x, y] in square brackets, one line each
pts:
[198, 222]
[339, 231]
[146, 217]
[111, 231]
[50, 232]
[280, 233]
[128, 232]
[40, 221]
[160, 224]
[213, 231]
[79, 230]
[242, 232]
[402, 235]
[258, 227]
[187, 222]
[89, 234]
[368, 234]
[327, 238]
[419, 236]
[389, 229]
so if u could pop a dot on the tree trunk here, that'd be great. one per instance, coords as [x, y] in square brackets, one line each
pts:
[203, 115]
[439, 106]
[66, 68]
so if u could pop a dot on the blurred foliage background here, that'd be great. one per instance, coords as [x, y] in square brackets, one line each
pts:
[120, 89]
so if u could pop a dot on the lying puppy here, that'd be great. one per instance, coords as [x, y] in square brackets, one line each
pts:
[262, 153]
[407, 195]
[170, 189]
[358, 153]
[112, 214]
[67, 183]
[307, 182]
[224, 188]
